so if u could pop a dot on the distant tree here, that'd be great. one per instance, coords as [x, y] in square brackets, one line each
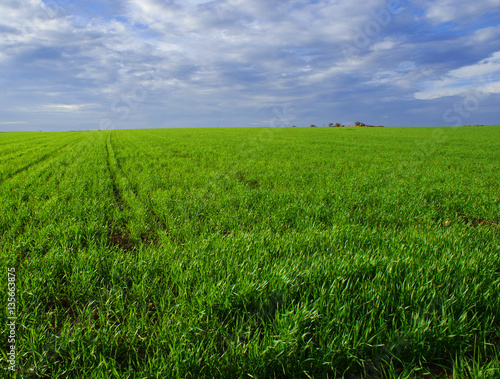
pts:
[357, 123]
[293, 126]
[330, 125]
[337, 125]
[312, 126]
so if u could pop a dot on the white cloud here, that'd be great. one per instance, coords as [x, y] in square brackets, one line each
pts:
[441, 11]
[70, 108]
[484, 67]
[485, 35]
[386, 44]
[404, 75]
[64, 107]
[482, 76]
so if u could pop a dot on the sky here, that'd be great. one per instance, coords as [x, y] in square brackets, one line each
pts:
[108, 64]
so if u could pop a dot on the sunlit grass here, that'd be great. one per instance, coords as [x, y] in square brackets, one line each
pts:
[357, 253]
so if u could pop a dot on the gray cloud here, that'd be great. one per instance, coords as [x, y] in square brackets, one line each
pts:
[152, 63]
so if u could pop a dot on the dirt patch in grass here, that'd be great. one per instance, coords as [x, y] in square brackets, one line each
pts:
[122, 240]
[243, 177]
[477, 221]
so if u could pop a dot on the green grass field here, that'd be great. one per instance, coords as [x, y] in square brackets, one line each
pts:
[253, 253]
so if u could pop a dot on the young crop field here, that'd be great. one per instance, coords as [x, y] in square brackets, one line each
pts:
[251, 253]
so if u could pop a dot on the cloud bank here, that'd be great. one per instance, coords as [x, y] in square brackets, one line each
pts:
[69, 65]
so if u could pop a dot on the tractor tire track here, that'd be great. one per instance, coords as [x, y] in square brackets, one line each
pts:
[20, 151]
[112, 168]
[46, 175]
[157, 220]
[44, 157]
[121, 234]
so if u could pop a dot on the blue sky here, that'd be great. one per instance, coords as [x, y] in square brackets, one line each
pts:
[71, 65]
